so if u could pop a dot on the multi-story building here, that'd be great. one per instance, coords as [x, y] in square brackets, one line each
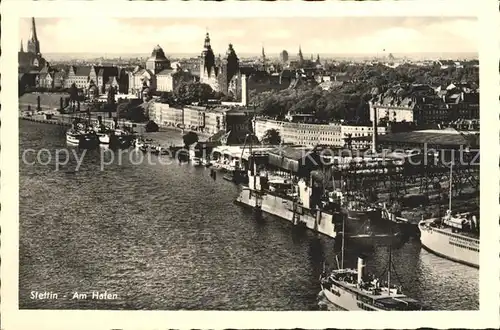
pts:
[78, 75]
[416, 103]
[169, 79]
[169, 116]
[351, 132]
[147, 77]
[307, 134]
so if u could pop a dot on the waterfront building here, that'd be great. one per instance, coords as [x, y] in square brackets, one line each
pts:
[168, 116]
[307, 134]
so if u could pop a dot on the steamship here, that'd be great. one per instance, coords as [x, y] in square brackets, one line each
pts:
[352, 290]
[293, 202]
[452, 237]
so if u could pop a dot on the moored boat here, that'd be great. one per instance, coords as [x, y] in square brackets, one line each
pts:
[452, 237]
[353, 290]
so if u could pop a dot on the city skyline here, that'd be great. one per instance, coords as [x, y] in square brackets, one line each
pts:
[349, 35]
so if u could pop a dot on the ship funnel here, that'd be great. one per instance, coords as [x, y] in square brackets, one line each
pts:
[361, 269]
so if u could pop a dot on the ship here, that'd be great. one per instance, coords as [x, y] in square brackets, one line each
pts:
[287, 200]
[452, 237]
[352, 290]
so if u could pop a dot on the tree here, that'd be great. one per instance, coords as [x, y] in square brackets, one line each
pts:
[73, 93]
[272, 136]
[190, 138]
[191, 92]
[151, 126]
[130, 111]
[111, 96]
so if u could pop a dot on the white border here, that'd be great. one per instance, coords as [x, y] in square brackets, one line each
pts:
[12, 318]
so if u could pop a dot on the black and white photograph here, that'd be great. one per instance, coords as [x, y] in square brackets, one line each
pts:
[215, 163]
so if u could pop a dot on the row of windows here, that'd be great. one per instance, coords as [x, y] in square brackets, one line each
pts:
[365, 307]
[465, 246]
[461, 238]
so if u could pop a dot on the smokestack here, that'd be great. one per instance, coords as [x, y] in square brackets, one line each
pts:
[361, 268]
[244, 90]
[375, 130]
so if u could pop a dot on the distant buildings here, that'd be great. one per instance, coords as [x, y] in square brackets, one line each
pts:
[422, 104]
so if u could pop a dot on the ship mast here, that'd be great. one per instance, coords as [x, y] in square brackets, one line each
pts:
[389, 271]
[451, 185]
[343, 240]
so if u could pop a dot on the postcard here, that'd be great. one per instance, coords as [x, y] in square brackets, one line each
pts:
[214, 165]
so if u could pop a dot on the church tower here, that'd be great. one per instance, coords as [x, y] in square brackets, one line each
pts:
[33, 43]
[301, 57]
[263, 58]
[207, 65]
[229, 68]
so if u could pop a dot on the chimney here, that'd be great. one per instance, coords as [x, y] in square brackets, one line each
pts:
[361, 268]
[244, 90]
[375, 130]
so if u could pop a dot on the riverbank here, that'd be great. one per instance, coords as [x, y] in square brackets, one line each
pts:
[164, 137]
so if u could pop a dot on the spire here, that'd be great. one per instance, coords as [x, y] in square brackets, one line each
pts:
[33, 45]
[21, 49]
[301, 57]
[33, 35]
[207, 45]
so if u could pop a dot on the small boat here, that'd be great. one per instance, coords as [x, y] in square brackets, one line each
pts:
[154, 150]
[104, 138]
[196, 161]
[73, 136]
[139, 143]
[205, 162]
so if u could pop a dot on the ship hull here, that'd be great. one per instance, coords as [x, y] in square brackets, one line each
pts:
[345, 300]
[453, 247]
[317, 221]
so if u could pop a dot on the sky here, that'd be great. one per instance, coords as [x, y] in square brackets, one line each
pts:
[345, 35]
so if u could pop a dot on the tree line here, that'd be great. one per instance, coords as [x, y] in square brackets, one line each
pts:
[349, 100]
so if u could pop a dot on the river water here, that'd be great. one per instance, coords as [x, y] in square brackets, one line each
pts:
[168, 237]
